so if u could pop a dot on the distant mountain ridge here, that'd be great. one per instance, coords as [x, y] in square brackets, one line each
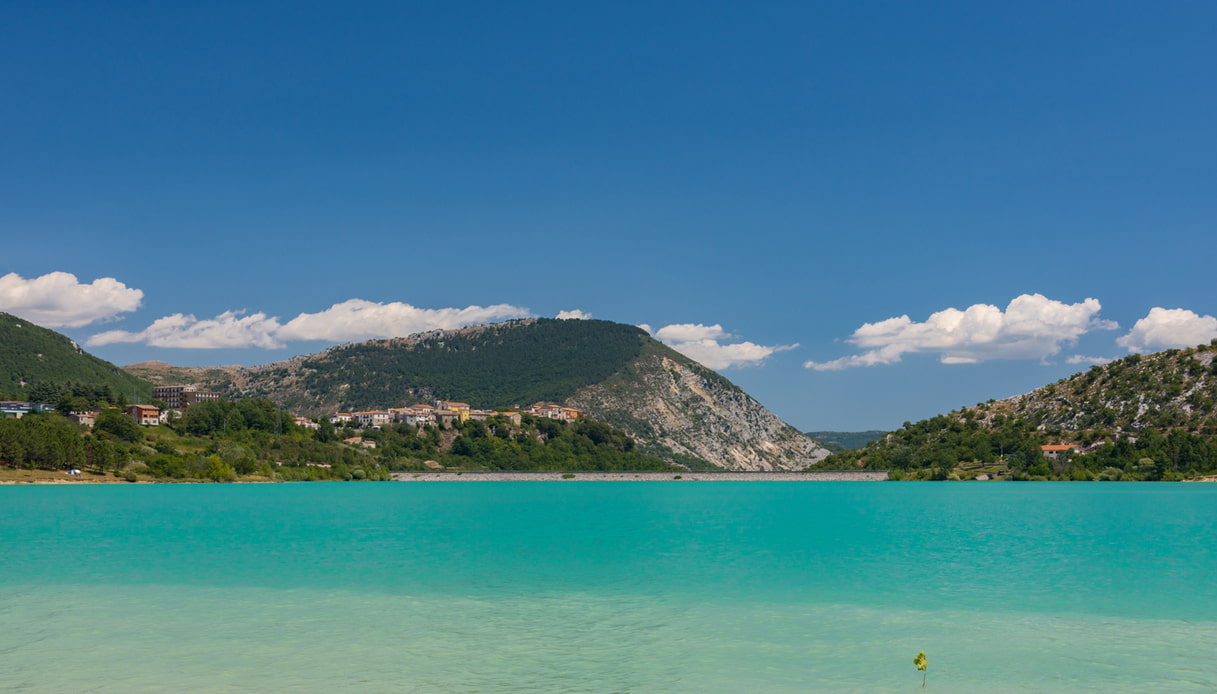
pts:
[837, 441]
[31, 355]
[677, 409]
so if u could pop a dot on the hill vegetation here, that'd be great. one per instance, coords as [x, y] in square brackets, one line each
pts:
[43, 366]
[489, 366]
[1148, 417]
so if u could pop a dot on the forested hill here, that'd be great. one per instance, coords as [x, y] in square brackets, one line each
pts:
[42, 364]
[675, 408]
[487, 365]
[1141, 417]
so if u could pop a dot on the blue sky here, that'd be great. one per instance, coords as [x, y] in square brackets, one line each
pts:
[769, 187]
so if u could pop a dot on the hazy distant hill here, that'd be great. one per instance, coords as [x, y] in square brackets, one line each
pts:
[31, 355]
[1141, 417]
[837, 441]
[675, 408]
[160, 373]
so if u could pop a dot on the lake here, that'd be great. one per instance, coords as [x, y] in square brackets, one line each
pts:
[602, 587]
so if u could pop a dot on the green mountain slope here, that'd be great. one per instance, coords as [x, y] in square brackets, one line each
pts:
[33, 356]
[494, 365]
[675, 408]
[1140, 417]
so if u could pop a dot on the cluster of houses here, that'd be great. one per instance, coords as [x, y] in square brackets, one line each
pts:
[447, 412]
[443, 413]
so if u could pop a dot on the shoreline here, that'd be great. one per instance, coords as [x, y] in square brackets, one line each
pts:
[846, 476]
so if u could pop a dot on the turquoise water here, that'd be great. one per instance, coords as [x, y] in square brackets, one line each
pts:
[604, 587]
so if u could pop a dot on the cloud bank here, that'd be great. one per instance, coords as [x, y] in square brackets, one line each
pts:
[1169, 328]
[1081, 359]
[59, 300]
[1032, 327]
[352, 320]
[576, 314]
[702, 343]
[357, 319]
[228, 330]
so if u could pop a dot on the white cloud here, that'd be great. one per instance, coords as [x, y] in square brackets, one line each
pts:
[59, 300]
[227, 330]
[1168, 328]
[1031, 327]
[357, 319]
[702, 344]
[690, 332]
[574, 315]
[1082, 359]
[351, 320]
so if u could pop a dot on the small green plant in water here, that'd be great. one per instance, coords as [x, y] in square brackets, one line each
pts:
[921, 663]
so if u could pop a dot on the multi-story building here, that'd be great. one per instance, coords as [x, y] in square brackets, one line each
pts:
[15, 409]
[145, 415]
[373, 418]
[460, 408]
[182, 397]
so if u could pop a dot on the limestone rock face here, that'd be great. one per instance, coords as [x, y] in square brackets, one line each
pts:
[681, 411]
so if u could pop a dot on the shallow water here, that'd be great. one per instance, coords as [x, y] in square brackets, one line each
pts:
[608, 587]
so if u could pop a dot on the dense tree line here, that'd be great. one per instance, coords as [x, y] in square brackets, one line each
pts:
[223, 441]
[47, 442]
[536, 444]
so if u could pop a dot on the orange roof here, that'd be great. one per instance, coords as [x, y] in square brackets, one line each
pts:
[1058, 447]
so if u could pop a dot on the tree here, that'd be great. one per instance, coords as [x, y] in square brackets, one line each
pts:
[73, 403]
[219, 471]
[119, 425]
[103, 455]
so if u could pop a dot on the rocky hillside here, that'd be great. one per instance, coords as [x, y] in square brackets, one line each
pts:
[160, 373]
[681, 411]
[1170, 390]
[1156, 411]
[674, 408]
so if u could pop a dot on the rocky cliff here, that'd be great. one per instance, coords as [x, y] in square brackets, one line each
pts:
[682, 411]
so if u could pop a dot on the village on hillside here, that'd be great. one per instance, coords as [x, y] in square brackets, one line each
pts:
[178, 399]
[447, 412]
